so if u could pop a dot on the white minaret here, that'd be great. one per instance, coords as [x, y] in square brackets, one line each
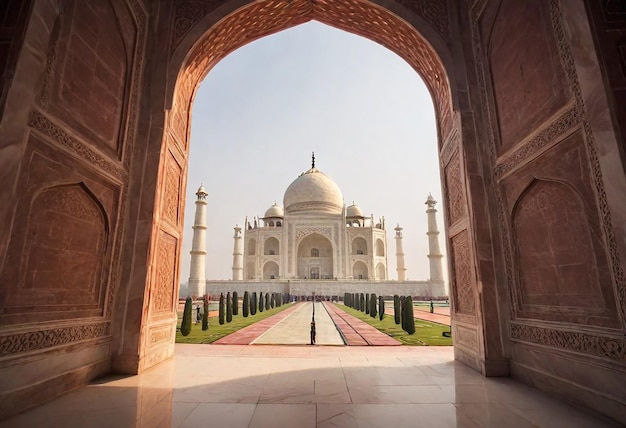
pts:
[400, 268]
[434, 254]
[238, 255]
[197, 273]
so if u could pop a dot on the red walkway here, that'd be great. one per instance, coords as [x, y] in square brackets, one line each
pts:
[357, 332]
[246, 335]
[426, 316]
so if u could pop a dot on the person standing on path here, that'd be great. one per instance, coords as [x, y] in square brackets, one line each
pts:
[313, 332]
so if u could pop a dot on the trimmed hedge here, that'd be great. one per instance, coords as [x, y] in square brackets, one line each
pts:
[205, 314]
[229, 308]
[373, 303]
[381, 307]
[396, 309]
[246, 304]
[185, 325]
[221, 309]
[408, 315]
[261, 302]
[235, 303]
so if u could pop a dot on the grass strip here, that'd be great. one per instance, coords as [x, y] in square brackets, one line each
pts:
[426, 333]
[217, 331]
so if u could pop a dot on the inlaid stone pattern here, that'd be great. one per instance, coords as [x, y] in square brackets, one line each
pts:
[164, 283]
[465, 301]
[434, 12]
[306, 231]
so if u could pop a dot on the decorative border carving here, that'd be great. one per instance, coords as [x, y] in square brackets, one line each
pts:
[435, 12]
[613, 348]
[567, 122]
[160, 334]
[36, 340]
[570, 69]
[47, 127]
[163, 284]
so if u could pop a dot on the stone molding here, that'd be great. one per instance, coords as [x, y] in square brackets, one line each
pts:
[602, 346]
[435, 12]
[36, 340]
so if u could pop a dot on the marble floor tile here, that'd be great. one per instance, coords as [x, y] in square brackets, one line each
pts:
[282, 387]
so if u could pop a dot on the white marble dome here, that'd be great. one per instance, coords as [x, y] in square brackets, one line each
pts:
[275, 211]
[313, 191]
[354, 211]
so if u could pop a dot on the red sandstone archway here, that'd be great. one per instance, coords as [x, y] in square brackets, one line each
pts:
[198, 44]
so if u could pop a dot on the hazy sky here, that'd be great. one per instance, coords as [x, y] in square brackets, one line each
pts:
[263, 109]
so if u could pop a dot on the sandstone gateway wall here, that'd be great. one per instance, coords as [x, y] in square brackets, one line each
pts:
[95, 102]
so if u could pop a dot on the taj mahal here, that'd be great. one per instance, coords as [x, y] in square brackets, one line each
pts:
[315, 244]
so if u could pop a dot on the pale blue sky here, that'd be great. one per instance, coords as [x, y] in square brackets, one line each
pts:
[263, 109]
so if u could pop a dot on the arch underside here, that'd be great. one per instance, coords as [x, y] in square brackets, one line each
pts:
[264, 18]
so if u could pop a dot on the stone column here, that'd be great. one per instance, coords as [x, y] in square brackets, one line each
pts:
[237, 255]
[400, 267]
[434, 253]
[197, 274]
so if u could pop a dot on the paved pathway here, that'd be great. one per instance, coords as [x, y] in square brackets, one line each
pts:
[357, 332]
[246, 335]
[295, 329]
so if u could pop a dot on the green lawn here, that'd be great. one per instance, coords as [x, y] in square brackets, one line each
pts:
[217, 331]
[426, 333]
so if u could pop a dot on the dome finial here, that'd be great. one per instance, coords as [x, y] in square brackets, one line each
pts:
[312, 159]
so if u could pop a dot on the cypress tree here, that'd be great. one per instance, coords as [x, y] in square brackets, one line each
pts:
[381, 307]
[373, 303]
[246, 304]
[254, 303]
[403, 312]
[229, 308]
[362, 302]
[396, 309]
[261, 302]
[273, 300]
[221, 310]
[267, 301]
[205, 314]
[367, 303]
[410, 318]
[185, 325]
[235, 303]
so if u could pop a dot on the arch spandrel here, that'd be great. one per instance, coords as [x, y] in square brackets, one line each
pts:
[198, 52]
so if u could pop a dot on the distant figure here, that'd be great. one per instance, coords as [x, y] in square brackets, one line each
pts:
[432, 307]
[198, 316]
[313, 333]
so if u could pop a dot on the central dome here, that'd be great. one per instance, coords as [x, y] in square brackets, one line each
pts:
[313, 191]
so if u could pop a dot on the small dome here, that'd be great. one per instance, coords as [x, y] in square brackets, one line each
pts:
[313, 191]
[201, 190]
[430, 199]
[274, 211]
[354, 211]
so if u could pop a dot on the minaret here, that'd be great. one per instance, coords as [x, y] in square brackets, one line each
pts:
[197, 275]
[434, 254]
[237, 255]
[400, 268]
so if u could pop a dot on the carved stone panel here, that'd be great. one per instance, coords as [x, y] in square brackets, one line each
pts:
[528, 79]
[170, 206]
[87, 71]
[164, 282]
[62, 243]
[561, 270]
[464, 296]
[455, 196]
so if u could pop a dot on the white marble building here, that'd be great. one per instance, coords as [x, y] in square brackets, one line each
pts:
[317, 244]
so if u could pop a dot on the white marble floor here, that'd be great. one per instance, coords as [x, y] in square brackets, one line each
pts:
[295, 329]
[306, 386]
